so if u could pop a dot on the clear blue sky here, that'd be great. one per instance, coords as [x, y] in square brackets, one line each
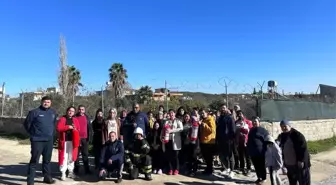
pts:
[190, 43]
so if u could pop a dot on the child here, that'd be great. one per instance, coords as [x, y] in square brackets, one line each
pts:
[273, 159]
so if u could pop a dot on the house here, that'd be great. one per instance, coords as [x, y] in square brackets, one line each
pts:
[160, 94]
[38, 95]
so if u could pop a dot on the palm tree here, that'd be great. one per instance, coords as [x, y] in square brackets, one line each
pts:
[118, 78]
[74, 81]
[144, 94]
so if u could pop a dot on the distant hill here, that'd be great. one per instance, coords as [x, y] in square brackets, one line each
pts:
[200, 96]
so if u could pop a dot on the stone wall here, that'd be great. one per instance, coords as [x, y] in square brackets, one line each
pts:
[12, 125]
[312, 129]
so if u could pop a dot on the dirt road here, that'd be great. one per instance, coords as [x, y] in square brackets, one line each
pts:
[14, 158]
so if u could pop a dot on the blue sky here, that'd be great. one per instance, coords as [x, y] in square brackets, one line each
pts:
[190, 43]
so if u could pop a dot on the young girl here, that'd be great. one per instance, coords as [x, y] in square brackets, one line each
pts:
[273, 159]
[156, 146]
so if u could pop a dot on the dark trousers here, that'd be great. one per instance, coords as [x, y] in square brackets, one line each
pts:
[244, 157]
[142, 164]
[97, 153]
[208, 153]
[236, 155]
[296, 175]
[116, 166]
[157, 158]
[39, 148]
[226, 154]
[191, 157]
[172, 156]
[84, 150]
[259, 165]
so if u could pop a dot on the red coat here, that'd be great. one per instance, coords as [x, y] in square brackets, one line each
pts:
[61, 129]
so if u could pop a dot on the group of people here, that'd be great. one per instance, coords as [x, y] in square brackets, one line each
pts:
[165, 142]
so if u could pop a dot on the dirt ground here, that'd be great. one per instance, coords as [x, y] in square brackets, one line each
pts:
[14, 159]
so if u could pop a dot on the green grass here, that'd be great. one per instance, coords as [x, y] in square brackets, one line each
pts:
[22, 139]
[315, 147]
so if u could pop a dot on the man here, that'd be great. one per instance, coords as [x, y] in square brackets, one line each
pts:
[112, 158]
[225, 137]
[40, 125]
[295, 154]
[84, 123]
[139, 157]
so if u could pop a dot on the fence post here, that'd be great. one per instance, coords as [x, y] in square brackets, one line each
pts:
[22, 100]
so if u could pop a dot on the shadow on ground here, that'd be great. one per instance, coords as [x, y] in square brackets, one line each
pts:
[11, 174]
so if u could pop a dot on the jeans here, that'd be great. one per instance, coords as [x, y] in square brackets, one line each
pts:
[83, 148]
[244, 157]
[226, 155]
[172, 156]
[39, 148]
[274, 176]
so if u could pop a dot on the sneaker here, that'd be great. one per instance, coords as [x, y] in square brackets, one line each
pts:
[262, 182]
[71, 175]
[63, 177]
[170, 172]
[231, 175]
[176, 172]
[159, 172]
[226, 172]
[192, 174]
[154, 171]
[119, 180]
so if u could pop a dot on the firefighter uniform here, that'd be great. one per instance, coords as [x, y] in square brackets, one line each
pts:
[138, 159]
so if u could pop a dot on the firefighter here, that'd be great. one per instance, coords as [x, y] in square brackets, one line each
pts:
[139, 160]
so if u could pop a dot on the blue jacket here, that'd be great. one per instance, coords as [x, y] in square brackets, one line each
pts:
[40, 124]
[113, 151]
[256, 145]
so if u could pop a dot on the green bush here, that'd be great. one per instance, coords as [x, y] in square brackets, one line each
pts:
[315, 147]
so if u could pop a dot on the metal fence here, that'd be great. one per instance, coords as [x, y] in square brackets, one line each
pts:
[277, 110]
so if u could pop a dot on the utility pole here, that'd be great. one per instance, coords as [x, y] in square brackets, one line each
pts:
[102, 98]
[22, 100]
[226, 85]
[166, 95]
[3, 98]
[261, 89]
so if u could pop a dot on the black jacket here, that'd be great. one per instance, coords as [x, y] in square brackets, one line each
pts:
[226, 129]
[256, 144]
[300, 145]
[40, 124]
[112, 150]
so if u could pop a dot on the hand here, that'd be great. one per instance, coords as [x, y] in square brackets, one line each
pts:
[71, 127]
[300, 164]
[101, 172]
[109, 161]
[135, 125]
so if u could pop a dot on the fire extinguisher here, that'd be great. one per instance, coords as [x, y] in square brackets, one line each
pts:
[194, 131]
[166, 133]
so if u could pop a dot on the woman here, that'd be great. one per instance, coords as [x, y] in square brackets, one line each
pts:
[156, 146]
[97, 127]
[207, 140]
[190, 148]
[172, 148]
[256, 147]
[68, 142]
[151, 119]
[112, 124]
[180, 113]
[123, 116]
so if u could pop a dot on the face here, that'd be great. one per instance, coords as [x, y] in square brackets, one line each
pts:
[112, 136]
[182, 111]
[285, 128]
[124, 113]
[240, 115]
[223, 109]
[171, 115]
[136, 108]
[161, 109]
[71, 112]
[187, 118]
[204, 114]
[160, 116]
[113, 114]
[138, 136]
[255, 123]
[81, 110]
[100, 114]
[195, 112]
[235, 108]
[150, 115]
[46, 104]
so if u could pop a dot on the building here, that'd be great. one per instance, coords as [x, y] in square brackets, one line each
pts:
[38, 95]
[161, 95]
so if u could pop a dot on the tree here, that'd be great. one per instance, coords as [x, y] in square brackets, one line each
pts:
[74, 81]
[216, 104]
[63, 76]
[118, 78]
[144, 94]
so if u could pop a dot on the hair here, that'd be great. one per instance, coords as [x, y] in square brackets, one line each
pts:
[112, 110]
[171, 110]
[46, 98]
[239, 111]
[112, 132]
[196, 109]
[81, 106]
[70, 108]
[256, 117]
[98, 110]
[161, 106]
[164, 112]
[149, 112]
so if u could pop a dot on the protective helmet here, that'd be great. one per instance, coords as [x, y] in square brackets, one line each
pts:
[138, 130]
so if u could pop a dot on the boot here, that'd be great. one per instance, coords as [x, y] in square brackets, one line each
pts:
[48, 180]
[87, 170]
[148, 177]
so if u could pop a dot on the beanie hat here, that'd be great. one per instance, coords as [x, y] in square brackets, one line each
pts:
[285, 122]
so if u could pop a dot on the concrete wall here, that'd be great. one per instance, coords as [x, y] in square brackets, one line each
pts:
[312, 129]
[12, 125]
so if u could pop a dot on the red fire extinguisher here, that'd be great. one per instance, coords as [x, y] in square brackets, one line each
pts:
[166, 133]
[194, 131]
